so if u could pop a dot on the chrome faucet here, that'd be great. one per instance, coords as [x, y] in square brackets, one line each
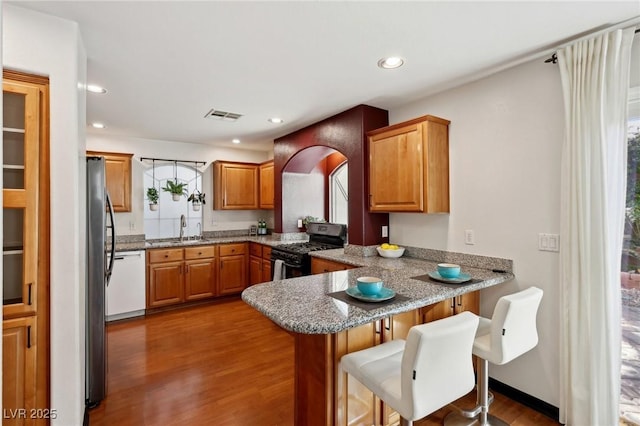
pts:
[183, 224]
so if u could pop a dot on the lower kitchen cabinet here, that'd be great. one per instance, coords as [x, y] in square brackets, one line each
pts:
[180, 275]
[320, 266]
[259, 263]
[466, 302]
[18, 370]
[357, 402]
[233, 271]
[200, 272]
[165, 284]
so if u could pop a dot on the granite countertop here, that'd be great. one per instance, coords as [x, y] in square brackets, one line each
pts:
[142, 244]
[302, 305]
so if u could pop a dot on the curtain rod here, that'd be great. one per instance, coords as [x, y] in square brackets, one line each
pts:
[553, 59]
[173, 161]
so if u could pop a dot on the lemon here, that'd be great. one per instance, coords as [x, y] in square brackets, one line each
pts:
[385, 246]
[393, 247]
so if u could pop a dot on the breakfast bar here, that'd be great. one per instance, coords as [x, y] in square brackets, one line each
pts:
[326, 325]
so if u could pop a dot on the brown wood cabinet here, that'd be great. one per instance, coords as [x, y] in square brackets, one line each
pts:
[25, 247]
[178, 275]
[235, 186]
[165, 279]
[409, 166]
[233, 272]
[259, 263]
[19, 366]
[320, 266]
[267, 193]
[200, 272]
[466, 302]
[118, 176]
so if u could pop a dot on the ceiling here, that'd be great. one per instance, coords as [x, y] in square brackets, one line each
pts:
[166, 64]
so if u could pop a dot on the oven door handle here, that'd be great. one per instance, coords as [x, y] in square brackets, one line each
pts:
[288, 265]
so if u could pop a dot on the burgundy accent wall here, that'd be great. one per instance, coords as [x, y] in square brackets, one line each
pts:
[344, 132]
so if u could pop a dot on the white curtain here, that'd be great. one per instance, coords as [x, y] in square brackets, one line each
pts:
[595, 82]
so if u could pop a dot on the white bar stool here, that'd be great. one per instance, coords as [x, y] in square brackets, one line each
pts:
[509, 333]
[430, 370]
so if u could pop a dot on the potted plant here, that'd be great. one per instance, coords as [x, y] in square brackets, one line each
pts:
[197, 199]
[152, 196]
[176, 189]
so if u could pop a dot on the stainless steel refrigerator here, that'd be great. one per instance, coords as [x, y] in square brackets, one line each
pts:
[100, 250]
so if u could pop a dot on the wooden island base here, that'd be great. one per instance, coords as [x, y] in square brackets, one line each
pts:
[325, 396]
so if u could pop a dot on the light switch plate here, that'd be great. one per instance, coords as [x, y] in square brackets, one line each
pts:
[549, 242]
[385, 231]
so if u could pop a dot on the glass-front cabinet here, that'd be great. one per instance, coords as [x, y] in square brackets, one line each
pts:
[20, 146]
[25, 247]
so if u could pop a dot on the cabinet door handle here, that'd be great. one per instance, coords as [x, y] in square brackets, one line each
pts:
[453, 303]
[387, 324]
[378, 327]
[28, 337]
[29, 296]
[187, 269]
[459, 300]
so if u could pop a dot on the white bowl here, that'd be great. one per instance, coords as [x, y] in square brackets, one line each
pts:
[390, 253]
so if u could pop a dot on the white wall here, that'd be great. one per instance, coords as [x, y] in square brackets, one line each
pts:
[506, 135]
[45, 45]
[213, 220]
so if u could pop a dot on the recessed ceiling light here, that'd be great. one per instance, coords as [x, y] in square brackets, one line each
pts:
[391, 62]
[96, 89]
[98, 125]
[236, 141]
[276, 120]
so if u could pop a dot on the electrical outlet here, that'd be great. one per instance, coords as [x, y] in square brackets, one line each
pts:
[385, 231]
[469, 237]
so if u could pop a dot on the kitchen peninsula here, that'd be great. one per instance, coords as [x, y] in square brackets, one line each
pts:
[326, 328]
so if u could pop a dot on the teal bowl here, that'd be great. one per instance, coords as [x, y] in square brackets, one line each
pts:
[369, 286]
[448, 270]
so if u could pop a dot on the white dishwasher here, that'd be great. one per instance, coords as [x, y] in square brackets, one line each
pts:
[126, 295]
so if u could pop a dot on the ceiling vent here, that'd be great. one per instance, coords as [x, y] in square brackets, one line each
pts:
[222, 115]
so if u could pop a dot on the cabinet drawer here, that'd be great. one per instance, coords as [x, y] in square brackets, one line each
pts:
[165, 255]
[231, 249]
[199, 252]
[266, 252]
[255, 249]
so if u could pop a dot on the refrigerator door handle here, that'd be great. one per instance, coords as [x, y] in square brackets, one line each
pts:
[113, 238]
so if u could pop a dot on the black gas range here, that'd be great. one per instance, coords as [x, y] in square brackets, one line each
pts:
[295, 256]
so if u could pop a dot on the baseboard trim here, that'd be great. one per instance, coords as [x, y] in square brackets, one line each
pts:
[525, 399]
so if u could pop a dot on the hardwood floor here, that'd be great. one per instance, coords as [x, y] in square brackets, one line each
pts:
[219, 364]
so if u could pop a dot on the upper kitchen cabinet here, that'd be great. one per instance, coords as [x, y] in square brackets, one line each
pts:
[118, 175]
[267, 192]
[409, 166]
[235, 186]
